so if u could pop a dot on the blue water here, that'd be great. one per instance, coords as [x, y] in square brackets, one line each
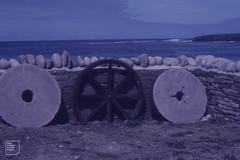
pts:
[121, 48]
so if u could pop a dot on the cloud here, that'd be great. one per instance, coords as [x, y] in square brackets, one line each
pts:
[183, 11]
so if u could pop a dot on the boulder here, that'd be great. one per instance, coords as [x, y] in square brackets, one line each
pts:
[232, 67]
[199, 59]
[224, 64]
[30, 59]
[209, 62]
[22, 59]
[152, 61]
[74, 63]
[101, 58]
[57, 61]
[159, 60]
[144, 61]
[238, 66]
[191, 61]
[94, 59]
[40, 61]
[87, 61]
[206, 59]
[49, 64]
[170, 61]
[215, 63]
[136, 61]
[80, 61]
[4, 64]
[183, 60]
[66, 59]
[13, 62]
[127, 61]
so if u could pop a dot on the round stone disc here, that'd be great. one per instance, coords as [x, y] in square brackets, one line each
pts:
[179, 96]
[29, 96]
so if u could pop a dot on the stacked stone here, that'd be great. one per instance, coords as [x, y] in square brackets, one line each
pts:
[144, 60]
[223, 94]
[221, 64]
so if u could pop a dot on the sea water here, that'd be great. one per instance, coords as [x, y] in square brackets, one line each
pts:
[122, 48]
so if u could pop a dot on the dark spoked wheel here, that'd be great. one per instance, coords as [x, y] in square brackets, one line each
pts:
[108, 89]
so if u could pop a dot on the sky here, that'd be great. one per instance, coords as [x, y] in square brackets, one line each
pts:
[115, 19]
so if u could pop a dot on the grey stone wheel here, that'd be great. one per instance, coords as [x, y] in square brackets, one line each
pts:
[29, 95]
[179, 96]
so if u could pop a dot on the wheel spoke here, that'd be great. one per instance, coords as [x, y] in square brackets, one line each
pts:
[120, 108]
[127, 97]
[96, 109]
[98, 96]
[109, 111]
[95, 84]
[123, 82]
[110, 77]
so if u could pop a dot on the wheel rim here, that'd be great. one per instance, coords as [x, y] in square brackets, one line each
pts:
[106, 89]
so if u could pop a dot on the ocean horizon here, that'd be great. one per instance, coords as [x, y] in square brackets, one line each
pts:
[116, 48]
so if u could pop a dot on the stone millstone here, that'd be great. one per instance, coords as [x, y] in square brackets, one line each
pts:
[179, 96]
[29, 95]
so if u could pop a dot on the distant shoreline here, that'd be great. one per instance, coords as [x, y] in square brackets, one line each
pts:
[219, 37]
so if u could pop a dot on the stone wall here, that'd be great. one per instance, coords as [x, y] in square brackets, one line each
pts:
[220, 76]
[222, 89]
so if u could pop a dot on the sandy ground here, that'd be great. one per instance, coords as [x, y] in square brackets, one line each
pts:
[133, 140]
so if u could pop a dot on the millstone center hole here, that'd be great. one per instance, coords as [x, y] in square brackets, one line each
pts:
[179, 95]
[27, 95]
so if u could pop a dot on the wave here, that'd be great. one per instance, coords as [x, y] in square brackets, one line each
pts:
[187, 41]
[172, 40]
[120, 42]
[177, 40]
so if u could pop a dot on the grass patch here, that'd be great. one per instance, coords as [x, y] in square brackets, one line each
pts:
[133, 123]
[177, 145]
[229, 157]
[179, 134]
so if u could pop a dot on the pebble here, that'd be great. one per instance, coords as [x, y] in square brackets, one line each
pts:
[170, 61]
[87, 61]
[152, 61]
[80, 61]
[127, 61]
[144, 61]
[4, 64]
[30, 59]
[136, 61]
[183, 60]
[49, 64]
[57, 61]
[159, 60]
[191, 61]
[22, 59]
[94, 59]
[40, 61]
[13, 62]
[74, 63]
